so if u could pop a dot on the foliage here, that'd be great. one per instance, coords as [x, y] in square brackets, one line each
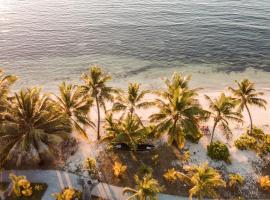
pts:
[90, 164]
[95, 84]
[20, 186]
[245, 142]
[132, 100]
[204, 181]
[6, 81]
[119, 169]
[236, 180]
[218, 151]
[75, 104]
[171, 175]
[194, 138]
[33, 128]
[264, 182]
[128, 130]
[146, 188]
[68, 194]
[186, 156]
[246, 94]
[222, 111]
[179, 111]
[145, 169]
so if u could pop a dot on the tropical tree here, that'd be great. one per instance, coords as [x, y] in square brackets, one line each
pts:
[127, 130]
[246, 95]
[204, 181]
[179, 115]
[222, 110]
[132, 100]
[6, 81]
[74, 103]
[95, 84]
[33, 128]
[147, 188]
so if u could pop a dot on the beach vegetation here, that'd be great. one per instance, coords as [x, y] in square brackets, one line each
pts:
[146, 188]
[119, 169]
[218, 151]
[68, 194]
[75, 104]
[264, 182]
[95, 84]
[222, 111]
[33, 129]
[247, 95]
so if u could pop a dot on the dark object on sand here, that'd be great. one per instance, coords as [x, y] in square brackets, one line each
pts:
[140, 147]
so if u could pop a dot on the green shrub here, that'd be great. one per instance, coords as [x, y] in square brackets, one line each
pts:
[145, 169]
[257, 133]
[245, 142]
[218, 151]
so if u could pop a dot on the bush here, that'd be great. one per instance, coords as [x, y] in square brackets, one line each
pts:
[245, 142]
[235, 180]
[145, 169]
[257, 133]
[68, 194]
[218, 151]
[264, 182]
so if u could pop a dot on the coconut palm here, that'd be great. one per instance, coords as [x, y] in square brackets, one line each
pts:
[246, 95]
[134, 99]
[74, 103]
[147, 188]
[222, 111]
[204, 181]
[33, 128]
[128, 130]
[95, 84]
[179, 115]
[6, 81]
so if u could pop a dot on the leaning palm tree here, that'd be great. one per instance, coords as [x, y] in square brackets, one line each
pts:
[204, 181]
[246, 95]
[147, 188]
[222, 110]
[74, 103]
[127, 130]
[95, 84]
[6, 81]
[33, 128]
[134, 99]
[179, 115]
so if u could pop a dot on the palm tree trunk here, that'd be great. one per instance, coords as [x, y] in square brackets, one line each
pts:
[213, 132]
[251, 123]
[98, 110]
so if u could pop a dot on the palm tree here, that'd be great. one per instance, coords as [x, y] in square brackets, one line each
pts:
[147, 188]
[246, 95]
[95, 84]
[128, 130]
[204, 181]
[74, 103]
[222, 110]
[134, 99]
[33, 128]
[179, 115]
[6, 81]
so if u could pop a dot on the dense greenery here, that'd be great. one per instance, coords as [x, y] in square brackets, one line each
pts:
[218, 151]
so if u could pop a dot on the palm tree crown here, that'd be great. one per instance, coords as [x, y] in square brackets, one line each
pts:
[134, 99]
[246, 95]
[204, 181]
[95, 84]
[74, 103]
[128, 130]
[179, 111]
[147, 188]
[222, 110]
[32, 128]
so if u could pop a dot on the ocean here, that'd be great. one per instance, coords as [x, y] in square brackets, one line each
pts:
[216, 41]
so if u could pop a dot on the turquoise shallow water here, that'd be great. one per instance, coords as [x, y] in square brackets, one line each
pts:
[216, 41]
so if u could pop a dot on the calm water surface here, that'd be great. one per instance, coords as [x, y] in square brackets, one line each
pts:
[45, 42]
